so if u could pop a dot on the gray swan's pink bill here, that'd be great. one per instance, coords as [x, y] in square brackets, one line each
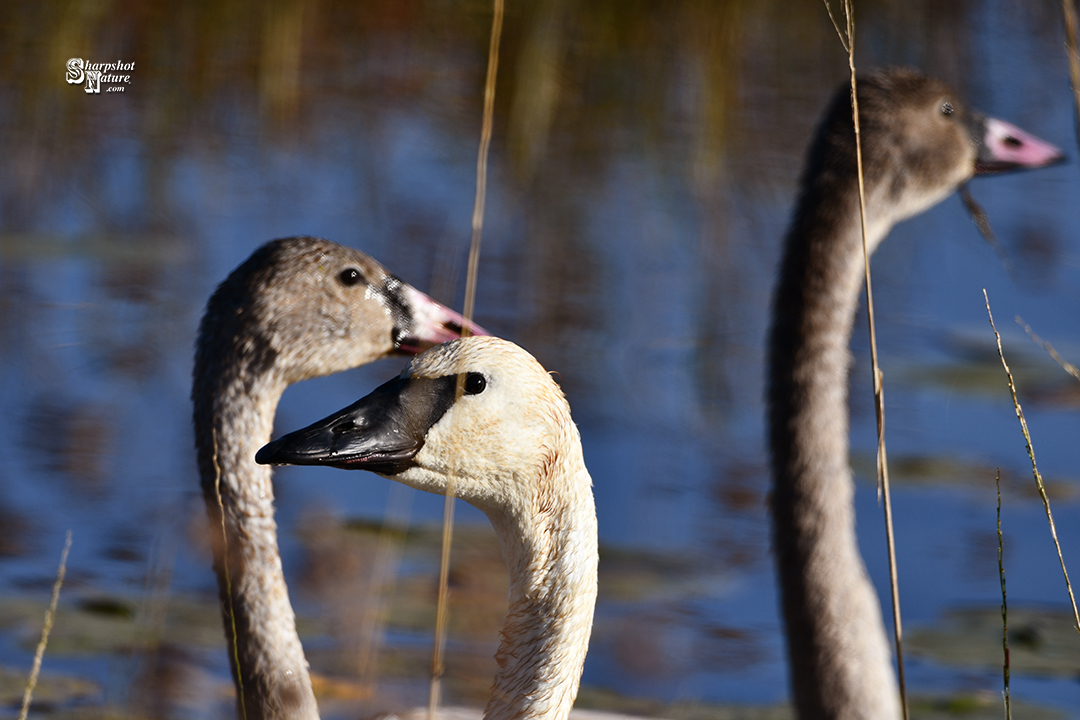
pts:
[432, 322]
[1006, 147]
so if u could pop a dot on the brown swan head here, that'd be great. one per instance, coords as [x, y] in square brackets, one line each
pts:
[919, 143]
[303, 307]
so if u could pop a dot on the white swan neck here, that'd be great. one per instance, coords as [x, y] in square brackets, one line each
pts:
[552, 557]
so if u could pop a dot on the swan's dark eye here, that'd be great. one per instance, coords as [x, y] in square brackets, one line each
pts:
[946, 108]
[475, 383]
[350, 277]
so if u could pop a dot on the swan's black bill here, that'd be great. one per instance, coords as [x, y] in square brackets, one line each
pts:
[382, 432]
[1002, 147]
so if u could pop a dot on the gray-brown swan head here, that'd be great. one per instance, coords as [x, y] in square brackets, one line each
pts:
[919, 144]
[303, 307]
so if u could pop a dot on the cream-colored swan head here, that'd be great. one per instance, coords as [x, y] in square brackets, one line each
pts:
[479, 414]
[303, 307]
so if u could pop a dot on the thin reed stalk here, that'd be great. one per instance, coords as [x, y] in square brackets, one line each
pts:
[50, 616]
[482, 161]
[1065, 365]
[437, 666]
[442, 610]
[384, 572]
[1069, 9]
[234, 644]
[982, 222]
[1004, 604]
[1034, 466]
[847, 39]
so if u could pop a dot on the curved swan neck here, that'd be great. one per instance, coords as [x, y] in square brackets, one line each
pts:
[813, 313]
[551, 552]
[234, 413]
[840, 658]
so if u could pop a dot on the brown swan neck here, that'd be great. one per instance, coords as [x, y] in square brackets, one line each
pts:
[234, 414]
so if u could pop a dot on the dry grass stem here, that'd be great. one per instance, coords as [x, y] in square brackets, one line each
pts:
[234, 647]
[1067, 366]
[384, 573]
[470, 303]
[879, 390]
[482, 161]
[1034, 466]
[1004, 604]
[50, 615]
[836, 25]
[1069, 9]
[982, 222]
[442, 610]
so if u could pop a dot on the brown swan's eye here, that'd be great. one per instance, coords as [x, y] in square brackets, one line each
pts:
[475, 383]
[946, 108]
[350, 277]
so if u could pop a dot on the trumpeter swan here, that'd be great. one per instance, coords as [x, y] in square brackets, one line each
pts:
[297, 308]
[919, 144]
[482, 417]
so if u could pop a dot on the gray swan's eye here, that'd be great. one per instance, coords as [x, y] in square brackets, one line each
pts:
[350, 277]
[475, 383]
[946, 108]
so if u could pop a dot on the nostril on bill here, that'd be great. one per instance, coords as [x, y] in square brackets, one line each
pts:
[344, 427]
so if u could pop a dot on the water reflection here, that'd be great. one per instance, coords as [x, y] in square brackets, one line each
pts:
[72, 440]
[644, 163]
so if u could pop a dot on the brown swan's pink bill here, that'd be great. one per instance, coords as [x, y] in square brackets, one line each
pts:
[1006, 147]
[432, 323]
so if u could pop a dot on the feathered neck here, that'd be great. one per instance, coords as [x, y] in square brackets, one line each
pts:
[234, 414]
[840, 658]
[550, 548]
